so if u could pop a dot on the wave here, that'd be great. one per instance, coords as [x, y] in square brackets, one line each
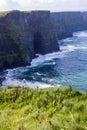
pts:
[70, 48]
[32, 84]
[70, 39]
[45, 59]
[12, 75]
[69, 43]
[80, 34]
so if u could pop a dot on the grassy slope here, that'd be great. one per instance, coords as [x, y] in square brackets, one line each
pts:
[42, 109]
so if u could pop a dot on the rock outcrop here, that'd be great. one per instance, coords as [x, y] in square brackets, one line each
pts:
[23, 34]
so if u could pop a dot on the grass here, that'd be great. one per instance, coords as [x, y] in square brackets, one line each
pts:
[4, 13]
[42, 109]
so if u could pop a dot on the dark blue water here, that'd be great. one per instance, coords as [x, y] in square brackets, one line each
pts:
[68, 67]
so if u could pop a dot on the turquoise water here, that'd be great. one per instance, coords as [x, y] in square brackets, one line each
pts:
[67, 67]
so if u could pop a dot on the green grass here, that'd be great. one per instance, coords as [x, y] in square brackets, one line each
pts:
[4, 13]
[42, 109]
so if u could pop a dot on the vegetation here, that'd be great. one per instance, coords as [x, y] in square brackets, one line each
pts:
[11, 47]
[42, 109]
[14, 32]
[4, 13]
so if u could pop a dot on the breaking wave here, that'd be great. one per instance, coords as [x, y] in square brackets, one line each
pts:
[53, 69]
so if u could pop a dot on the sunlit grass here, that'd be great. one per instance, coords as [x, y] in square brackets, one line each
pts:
[42, 109]
[4, 13]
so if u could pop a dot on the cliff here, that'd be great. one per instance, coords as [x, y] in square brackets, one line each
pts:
[23, 34]
[69, 22]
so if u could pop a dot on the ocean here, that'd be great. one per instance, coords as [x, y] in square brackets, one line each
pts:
[58, 69]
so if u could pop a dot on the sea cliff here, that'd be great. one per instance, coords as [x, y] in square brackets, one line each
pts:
[23, 34]
[69, 22]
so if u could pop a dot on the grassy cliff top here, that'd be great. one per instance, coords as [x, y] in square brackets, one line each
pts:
[42, 109]
[3, 13]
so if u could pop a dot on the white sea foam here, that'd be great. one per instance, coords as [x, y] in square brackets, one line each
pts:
[80, 34]
[67, 40]
[44, 59]
[47, 59]
[68, 48]
[24, 82]
[75, 47]
[40, 60]
[71, 47]
[11, 81]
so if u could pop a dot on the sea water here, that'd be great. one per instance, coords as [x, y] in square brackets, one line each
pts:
[58, 69]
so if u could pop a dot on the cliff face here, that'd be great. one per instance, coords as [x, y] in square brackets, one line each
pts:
[12, 52]
[39, 35]
[44, 35]
[69, 22]
[23, 34]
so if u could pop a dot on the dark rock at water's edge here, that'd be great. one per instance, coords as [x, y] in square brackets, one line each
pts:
[23, 34]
